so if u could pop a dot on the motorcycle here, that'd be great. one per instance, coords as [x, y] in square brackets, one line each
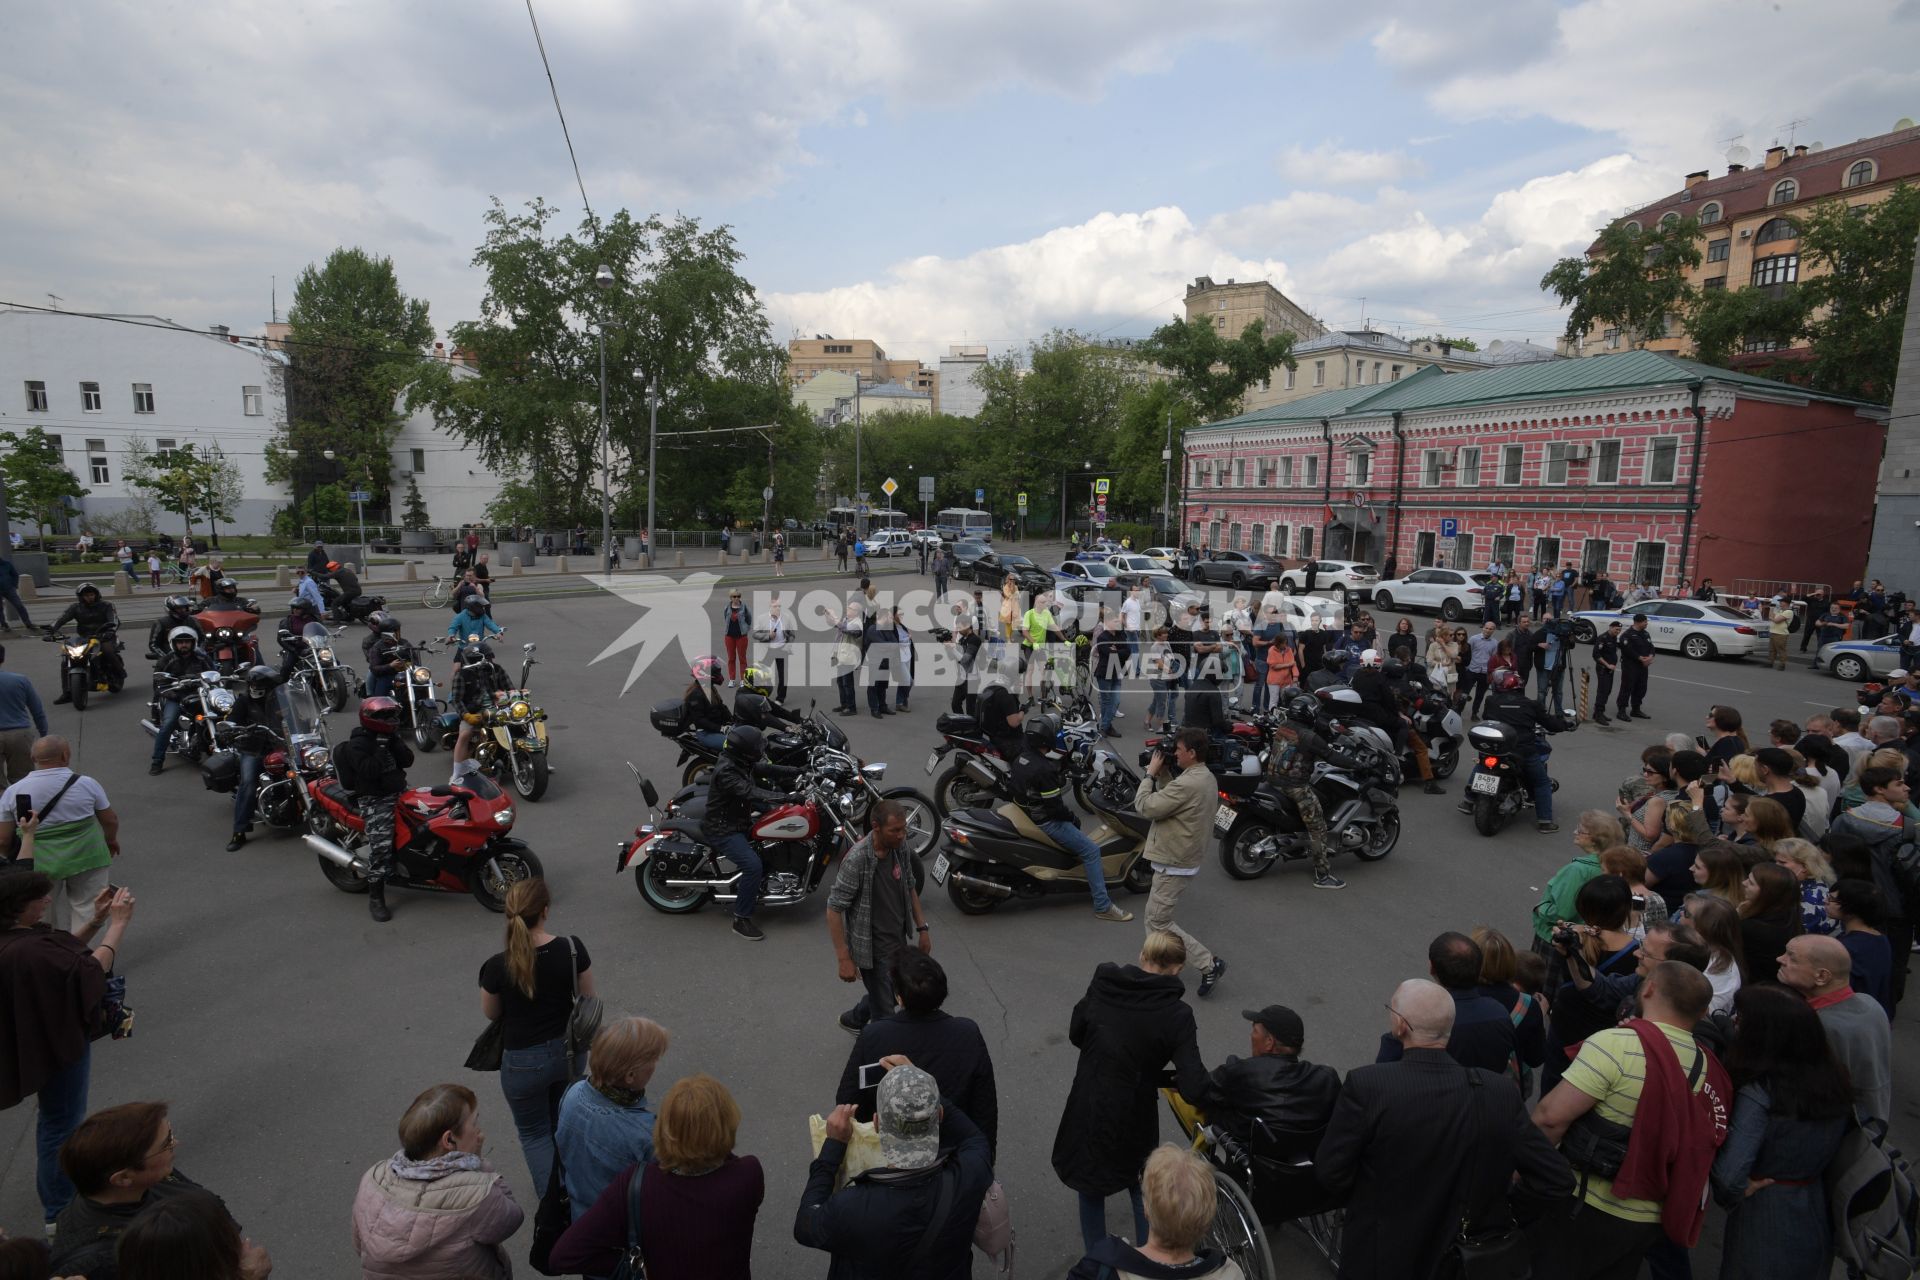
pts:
[319, 669]
[677, 872]
[1499, 789]
[512, 743]
[83, 664]
[358, 611]
[1361, 809]
[227, 634]
[979, 777]
[204, 700]
[291, 765]
[1235, 758]
[413, 689]
[789, 747]
[1436, 721]
[994, 855]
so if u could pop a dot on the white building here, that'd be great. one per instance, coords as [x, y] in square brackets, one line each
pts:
[959, 394]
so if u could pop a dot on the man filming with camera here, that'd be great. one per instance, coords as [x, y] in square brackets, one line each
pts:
[1179, 797]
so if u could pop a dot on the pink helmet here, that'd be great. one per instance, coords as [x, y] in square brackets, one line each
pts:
[709, 669]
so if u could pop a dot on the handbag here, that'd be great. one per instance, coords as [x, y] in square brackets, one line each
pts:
[487, 1048]
[993, 1231]
[632, 1264]
[1495, 1253]
[551, 1218]
[583, 1022]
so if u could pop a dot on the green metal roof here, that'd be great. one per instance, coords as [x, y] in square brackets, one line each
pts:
[1328, 404]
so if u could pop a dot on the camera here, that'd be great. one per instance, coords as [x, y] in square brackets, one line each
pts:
[1564, 937]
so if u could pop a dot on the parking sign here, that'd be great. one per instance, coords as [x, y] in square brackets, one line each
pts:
[1449, 528]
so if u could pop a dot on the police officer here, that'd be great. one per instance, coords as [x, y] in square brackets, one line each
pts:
[1636, 655]
[388, 653]
[372, 763]
[1294, 748]
[1509, 705]
[93, 616]
[734, 795]
[256, 709]
[1038, 790]
[1606, 661]
[183, 660]
[178, 613]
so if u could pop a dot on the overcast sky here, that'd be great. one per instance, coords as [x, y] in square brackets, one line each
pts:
[923, 174]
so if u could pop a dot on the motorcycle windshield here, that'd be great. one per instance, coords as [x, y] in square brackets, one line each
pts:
[481, 785]
[306, 714]
[316, 634]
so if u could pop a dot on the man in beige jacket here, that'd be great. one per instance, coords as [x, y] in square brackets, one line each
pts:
[1179, 797]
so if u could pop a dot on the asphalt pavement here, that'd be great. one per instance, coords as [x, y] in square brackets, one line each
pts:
[288, 1031]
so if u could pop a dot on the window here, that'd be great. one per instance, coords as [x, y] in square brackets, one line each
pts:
[1503, 548]
[1280, 540]
[1306, 543]
[1556, 464]
[1377, 366]
[1313, 471]
[1396, 373]
[250, 401]
[1362, 465]
[1633, 228]
[1220, 472]
[838, 349]
[97, 461]
[1785, 191]
[1663, 459]
[1606, 462]
[1612, 338]
[1254, 535]
[418, 460]
[1780, 269]
[1462, 551]
[1776, 229]
[1431, 467]
[1709, 213]
[1219, 322]
[1240, 472]
[1860, 173]
[1510, 458]
[1717, 250]
[163, 448]
[90, 397]
[1669, 219]
[1220, 304]
[1649, 562]
[1319, 373]
[1286, 472]
[1594, 555]
[1546, 551]
[36, 397]
[1763, 344]
[1290, 377]
[1714, 282]
[143, 397]
[1467, 476]
[1199, 472]
[1233, 536]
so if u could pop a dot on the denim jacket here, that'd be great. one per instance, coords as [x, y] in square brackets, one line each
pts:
[598, 1139]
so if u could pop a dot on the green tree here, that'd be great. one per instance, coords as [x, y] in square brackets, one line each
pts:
[1052, 412]
[37, 479]
[185, 481]
[1857, 299]
[355, 343]
[1632, 281]
[1458, 344]
[1140, 475]
[678, 313]
[1723, 321]
[1212, 371]
[415, 516]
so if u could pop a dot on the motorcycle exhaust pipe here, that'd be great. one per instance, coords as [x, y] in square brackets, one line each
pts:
[153, 730]
[333, 852]
[983, 886]
[717, 886]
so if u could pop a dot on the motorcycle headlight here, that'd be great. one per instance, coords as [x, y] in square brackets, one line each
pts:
[314, 759]
[423, 675]
[503, 817]
[326, 655]
[221, 700]
[76, 651]
[519, 710]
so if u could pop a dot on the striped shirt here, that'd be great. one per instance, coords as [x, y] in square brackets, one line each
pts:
[1612, 1069]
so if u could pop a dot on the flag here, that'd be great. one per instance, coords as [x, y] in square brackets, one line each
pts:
[1330, 516]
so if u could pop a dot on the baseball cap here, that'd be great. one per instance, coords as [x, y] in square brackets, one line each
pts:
[1614, 625]
[1900, 674]
[1282, 1023]
[906, 1113]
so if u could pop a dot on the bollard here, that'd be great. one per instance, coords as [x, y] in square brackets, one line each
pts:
[122, 585]
[679, 559]
[281, 577]
[561, 564]
[29, 590]
[413, 572]
[515, 570]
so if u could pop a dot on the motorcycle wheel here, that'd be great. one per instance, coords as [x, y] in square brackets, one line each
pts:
[530, 774]
[923, 820]
[426, 736]
[956, 791]
[1446, 761]
[1139, 877]
[696, 771]
[510, 864]
[1486, 815]
[651, 875]
[970, 902]
[336, 682]
[79, 688]
[1236, 851]
[1385, 835]
[345, 879]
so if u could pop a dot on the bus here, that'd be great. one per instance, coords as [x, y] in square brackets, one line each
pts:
[877, 518]
[954, 523]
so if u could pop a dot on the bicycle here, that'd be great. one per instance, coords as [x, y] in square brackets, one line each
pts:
[437, 595]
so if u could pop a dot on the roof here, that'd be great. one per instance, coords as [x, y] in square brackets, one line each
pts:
[1506, 352]
[1432, 388]
[895, 391]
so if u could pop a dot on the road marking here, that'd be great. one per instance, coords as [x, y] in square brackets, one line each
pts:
[1724, 688]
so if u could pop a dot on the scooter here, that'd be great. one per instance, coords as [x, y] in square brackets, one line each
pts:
[994, 855]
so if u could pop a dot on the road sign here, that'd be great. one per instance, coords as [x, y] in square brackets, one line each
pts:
[926, 488]
[1449, 528]
[1446, 545]
[1100, 487]
[888, 487]
[767, 493]
[359, 495]
[863, 509]
[1100, 516]
[980, 496]
[1021, 499]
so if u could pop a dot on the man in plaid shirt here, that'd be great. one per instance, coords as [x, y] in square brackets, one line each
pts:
[871, 908]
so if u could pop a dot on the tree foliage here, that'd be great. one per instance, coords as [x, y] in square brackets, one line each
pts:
[1633, 282]
[186, 482]
[1458, 344]
[1212, 371]
[1857, 304]
[37, 479]
[414, 516]
[355, 343]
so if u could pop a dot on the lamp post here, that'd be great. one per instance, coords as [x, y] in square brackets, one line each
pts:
[329, 455]
[1166, 486]
[603, 280]
[1086, 469]
[653, 426]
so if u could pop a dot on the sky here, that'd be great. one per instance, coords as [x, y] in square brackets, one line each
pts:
[981, 171]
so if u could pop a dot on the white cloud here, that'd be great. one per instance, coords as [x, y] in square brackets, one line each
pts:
[1451, 37]
[1331, 165]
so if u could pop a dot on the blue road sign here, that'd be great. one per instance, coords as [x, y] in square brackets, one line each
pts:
[979, 495]
[1449, 528]
[360, 495]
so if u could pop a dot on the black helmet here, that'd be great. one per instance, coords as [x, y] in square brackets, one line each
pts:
[1336, 660]
[381, 620]
[476, 604]
[380, 715]
[1393, 669]
[1303, 707]
[261, 680]
[750, 708]
[227, 589]
[1041, 731]
[179, 606]
[300, 604]
[80, 592]
[746, 743]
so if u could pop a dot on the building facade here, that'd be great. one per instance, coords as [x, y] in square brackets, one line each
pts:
[1644, 466]
[1344, 358]
[1895, 557]
[957, 393]
[1232, 306]
[822, 353]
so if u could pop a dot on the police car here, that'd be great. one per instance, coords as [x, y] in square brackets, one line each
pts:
[1691, 627]
[1857, 660]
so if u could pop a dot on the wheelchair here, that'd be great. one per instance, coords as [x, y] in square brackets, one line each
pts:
[1267, 1181]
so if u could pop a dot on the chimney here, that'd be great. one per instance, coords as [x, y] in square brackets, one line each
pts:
[1735, 168]
[439, 351]
[1776, 156]
[1695, 178]
[1799, 151]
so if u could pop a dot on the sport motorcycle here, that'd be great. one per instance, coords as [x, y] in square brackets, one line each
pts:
[83, 664]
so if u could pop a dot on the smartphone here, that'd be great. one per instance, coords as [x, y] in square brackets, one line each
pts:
[113, 890]
[22, 807]
[870, 1074]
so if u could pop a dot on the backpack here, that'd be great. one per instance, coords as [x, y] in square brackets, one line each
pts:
[1874, 1206]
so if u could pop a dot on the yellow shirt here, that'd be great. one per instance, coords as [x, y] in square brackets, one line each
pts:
[1612, 1069]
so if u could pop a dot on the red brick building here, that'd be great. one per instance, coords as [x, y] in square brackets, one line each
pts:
[1647, 466]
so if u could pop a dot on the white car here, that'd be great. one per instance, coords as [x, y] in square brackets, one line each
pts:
[1133, 562]
[929, 538]
[890, 542]
[1336, 578]
[1167, 558]
[1454, 593]
[1084, 571]
[1692, 627]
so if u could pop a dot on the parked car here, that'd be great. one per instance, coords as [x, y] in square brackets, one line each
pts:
[1079, 605]
[964, 553]
[1237, 569]
[889, 542]
[1694, 628]
[1169, 595]
[1133, 562]
[1857, 660]
[992, 568]
[1336, 578]
[1167, 558]
[930, 538]
[1453, 592]
[1084, 571]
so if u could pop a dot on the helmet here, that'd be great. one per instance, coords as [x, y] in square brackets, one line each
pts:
[746, 743]
[1303, 707]
[1505, 680]
[179, 606]
[1041, 731]
[379, 715]
[708, 669]
[757, 679]
[332, 565]
[1372, 658]
[300, 604]
[750, 708]
[80, 592]
[476, 604]
[175, 636]
[381, 620]
[261, 680]
[1336, 660]
[226, 588]
[1394, 669]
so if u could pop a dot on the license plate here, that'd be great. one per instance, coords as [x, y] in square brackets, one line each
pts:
[933, 761]
[1485, 784]
[1223, 818]
[940, 865]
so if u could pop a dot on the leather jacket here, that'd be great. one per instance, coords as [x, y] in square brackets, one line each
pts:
[1281, 1089]
[1517, 711]
[89, 619]
[734, 796]
[176, 667]
[1037, 788]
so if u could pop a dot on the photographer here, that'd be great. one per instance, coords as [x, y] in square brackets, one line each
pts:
[1179, 797]
[1599, 944]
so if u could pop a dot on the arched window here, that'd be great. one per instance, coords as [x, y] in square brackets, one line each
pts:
[1669, 219]
[1785, 191]
[1860, 173]
[1709, 213]
[1776, 229]
[1633, 227]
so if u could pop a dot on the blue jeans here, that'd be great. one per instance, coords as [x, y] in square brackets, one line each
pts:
[1258, 674]
[243, 798]
[737, 849]
[876, 998]
[533, 1080]
[1161, 706]
[1072, 837]
[844, 683]
[169, 720]
[1093, 1217]
[379, 684]
[63, 1105]
[711, 741]
[1109, 690]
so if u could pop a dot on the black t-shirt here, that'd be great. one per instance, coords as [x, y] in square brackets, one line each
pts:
[1794, 801]
[890, 911]
[530, 1021]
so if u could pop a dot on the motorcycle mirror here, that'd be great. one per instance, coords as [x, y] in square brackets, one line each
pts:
[527, 647]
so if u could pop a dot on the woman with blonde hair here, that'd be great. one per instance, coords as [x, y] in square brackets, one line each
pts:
[529, 989]
[1009, 608]
[605, 1123]
[697, 1199]
[435, 1209]
[1718, 924]
[1443, 659]
[1810, 867]
[1596, 832]
[1181, 1201]
[1499, 974]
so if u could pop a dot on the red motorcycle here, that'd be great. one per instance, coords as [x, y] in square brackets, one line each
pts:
[446, 839]
[226, 633]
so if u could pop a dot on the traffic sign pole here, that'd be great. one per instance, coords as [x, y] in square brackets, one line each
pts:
[360, 498]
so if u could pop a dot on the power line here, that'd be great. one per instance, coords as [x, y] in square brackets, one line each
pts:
[564, 131]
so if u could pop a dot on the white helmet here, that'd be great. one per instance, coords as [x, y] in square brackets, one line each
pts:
[1372, 658]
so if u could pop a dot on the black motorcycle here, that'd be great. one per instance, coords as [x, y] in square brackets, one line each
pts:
[789, 746]
[978, 777]
[1498, 789]
[1361, 808]
[994, 855]
[84, 666]
[357, 610]
[204, 699]
[414, 689]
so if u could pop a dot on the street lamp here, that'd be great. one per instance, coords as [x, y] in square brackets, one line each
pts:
[653, 427]
[603, 280]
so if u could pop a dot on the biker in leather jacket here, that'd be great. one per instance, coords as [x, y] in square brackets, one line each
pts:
[92, 616]
[179, 613]
[734, 796]
[1510, 707]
